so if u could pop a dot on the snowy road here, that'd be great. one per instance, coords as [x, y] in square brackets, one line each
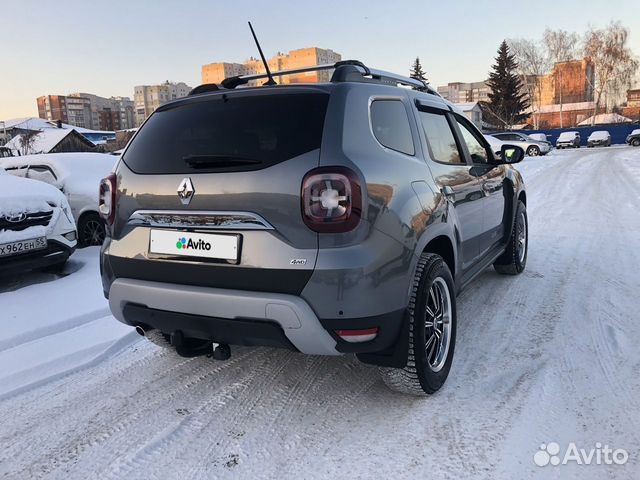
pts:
[549, 356]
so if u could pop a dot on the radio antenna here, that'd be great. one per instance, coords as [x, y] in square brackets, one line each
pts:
[271, 81]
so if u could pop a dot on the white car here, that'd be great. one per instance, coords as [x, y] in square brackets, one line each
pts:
[568, 140]
[36, 226]
[78, 176]
[599, 137]
[495, 144]
[531, 147]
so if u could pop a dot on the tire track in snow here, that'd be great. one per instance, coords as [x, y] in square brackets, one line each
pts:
[53, 328]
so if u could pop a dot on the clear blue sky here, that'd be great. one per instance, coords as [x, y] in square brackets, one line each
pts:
[108, 47]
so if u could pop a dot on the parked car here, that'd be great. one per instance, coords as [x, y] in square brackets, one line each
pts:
[538, 137]
[77, 175]
[634, 138]
[568, 140]
[36, 226]
[328, 218]
[599, 137]
[495, 144]
[533, 148]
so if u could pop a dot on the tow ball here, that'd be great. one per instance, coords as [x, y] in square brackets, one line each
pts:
[221, 351]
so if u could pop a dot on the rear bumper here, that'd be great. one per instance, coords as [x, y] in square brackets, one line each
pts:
[291, 313]
[252, 318]
[54, 254]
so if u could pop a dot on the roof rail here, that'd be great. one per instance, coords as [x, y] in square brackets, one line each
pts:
[345, 71]
[205, 87]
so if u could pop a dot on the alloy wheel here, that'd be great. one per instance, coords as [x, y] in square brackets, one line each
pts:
[92, 233]
[438, 324]
[522, 237]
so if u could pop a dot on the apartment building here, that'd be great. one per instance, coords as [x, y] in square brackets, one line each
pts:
[114, 113]
[459, 92]
[53, 107]
[147, 98]
[304, 57]
[87, 110]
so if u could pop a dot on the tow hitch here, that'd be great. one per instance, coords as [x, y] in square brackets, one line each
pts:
[221, 351]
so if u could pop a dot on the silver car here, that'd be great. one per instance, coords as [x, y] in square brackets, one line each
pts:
[331, 218]
[533, 148]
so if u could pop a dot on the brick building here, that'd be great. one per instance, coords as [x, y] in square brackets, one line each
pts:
[304, 57]
[53, 107]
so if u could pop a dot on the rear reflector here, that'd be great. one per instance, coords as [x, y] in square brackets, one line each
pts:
[358, 336]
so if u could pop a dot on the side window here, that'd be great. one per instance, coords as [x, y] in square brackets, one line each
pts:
[42, 173]
[476, 148]
[390, 125]
[442, 144]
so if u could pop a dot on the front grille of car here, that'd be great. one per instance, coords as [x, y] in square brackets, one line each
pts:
[20, 222]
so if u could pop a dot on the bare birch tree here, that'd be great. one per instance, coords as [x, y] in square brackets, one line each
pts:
[614, 64]
[561, 47]
[533, 63]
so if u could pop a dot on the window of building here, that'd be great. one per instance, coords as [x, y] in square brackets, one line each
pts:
[440, 139]
[390, 125]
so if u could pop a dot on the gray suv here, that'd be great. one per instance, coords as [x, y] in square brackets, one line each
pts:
[332, 218]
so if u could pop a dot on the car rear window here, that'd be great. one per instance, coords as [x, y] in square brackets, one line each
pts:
[228, 133]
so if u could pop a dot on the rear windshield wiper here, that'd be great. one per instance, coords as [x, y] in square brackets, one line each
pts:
[220, 161]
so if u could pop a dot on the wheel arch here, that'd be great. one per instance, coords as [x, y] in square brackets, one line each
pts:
[443, 246]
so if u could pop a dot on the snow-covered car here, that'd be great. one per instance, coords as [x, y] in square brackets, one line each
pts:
[78, 176]
[633, 138]
[531, 147]
[540, 137]
[568, 140]
[36, 226]
[599, 137]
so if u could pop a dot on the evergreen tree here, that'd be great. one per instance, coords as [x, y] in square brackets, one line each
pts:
[416, 71]
[508, 98]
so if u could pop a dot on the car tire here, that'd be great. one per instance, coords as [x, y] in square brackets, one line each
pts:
[635, 142]
[432, 303]
[91, 230]
[533, 151]
[514, 259]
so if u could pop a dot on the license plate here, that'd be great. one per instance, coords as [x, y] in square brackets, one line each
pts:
[203, 245]
[23, 246]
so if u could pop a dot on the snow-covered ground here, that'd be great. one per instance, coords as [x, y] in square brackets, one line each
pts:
[549, 356]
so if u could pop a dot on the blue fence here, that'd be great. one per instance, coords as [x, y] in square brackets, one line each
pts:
[618, 132]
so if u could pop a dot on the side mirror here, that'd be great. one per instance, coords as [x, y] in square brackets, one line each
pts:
[511, 154]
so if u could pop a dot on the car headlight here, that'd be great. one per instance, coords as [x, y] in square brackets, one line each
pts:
[67, 213]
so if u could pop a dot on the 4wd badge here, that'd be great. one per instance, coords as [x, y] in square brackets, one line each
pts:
[186, 191]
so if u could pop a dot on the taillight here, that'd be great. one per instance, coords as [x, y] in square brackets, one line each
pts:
[358, 336]
[331, 200]
[107, 198]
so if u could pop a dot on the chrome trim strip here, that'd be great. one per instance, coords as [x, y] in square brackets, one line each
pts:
[204, 219]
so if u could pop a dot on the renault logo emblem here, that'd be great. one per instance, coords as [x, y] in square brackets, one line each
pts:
[186, 191]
